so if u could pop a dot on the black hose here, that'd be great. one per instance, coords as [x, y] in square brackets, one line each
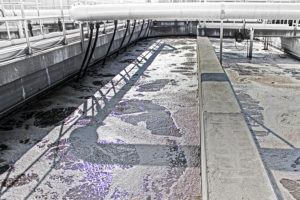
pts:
[131, 34]
[87, 50]
[141, 31]
[60, 25]
[29, 25]
[148, 26]
[127, 28]
[239, 37]
[93, 49]
[2, 12]
[111, 42]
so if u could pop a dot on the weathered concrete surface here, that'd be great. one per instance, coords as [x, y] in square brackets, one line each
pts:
[27, 76]
[291, 46]
[173, 28]
[268, 89]
[233, 167]
[129, 130]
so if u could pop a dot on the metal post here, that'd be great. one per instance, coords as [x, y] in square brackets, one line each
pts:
[63, 22]
[266, 46]
[7, 30]
[81, 36]
[295, 28]
[28, 50]
[20, 29]
[221, 41]
[6, 23]
[251, 43]
[38, 12]
[87, 29]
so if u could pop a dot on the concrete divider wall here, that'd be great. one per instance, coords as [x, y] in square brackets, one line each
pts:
[291, 46]
[22, 78]
[231, 165]
[173, 28]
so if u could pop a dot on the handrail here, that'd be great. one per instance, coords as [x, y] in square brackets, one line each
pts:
[10, 19]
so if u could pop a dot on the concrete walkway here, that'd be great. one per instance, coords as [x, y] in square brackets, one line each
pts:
[230, 159]
[268, 89]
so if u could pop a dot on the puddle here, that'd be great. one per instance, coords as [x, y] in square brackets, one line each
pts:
[37, 105]
[100, 83]
[3, 147]
[127, 61]
[188, 48]
[4, 168]
[292, 186]
[24, 179]
[185, 68]
[82, 88]
[189, 55]
[52, 117]
[290, 118]
[158, 119]
[153, 86]
[188, 63]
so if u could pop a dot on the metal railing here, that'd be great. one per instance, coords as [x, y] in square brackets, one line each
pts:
[24, 20]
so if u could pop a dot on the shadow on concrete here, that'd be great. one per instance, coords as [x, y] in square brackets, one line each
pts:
[8, 182]
[266, 156]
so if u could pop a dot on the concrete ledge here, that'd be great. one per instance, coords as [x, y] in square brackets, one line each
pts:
[231, 165]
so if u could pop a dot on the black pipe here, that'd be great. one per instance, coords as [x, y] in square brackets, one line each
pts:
[2, 12]
[149, 28]
[148, 25]
[87, 50]
[60, 26]
[93, 49]
[127, 28]
[29, 25]
[111, 42]
[140, 32]
[131, 34]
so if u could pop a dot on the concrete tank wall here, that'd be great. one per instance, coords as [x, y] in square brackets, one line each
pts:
[23, 78]
[173, 28]
[291, 46]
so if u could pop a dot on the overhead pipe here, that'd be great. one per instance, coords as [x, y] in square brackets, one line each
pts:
[93, 49]
[111, 42]
[188, 11]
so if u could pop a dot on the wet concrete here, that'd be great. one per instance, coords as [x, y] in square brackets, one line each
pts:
[268, 90]
[128, 130]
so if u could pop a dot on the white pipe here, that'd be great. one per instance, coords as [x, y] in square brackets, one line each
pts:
[198, 11]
